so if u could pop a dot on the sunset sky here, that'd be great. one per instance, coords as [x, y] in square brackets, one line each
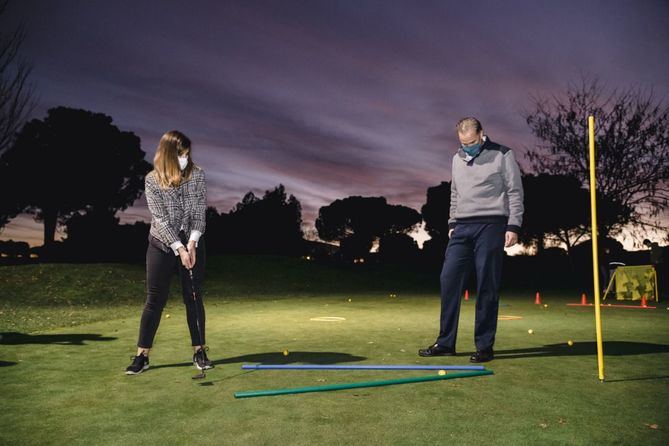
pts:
[329, 98]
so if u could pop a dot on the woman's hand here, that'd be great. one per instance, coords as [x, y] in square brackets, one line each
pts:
[191, 252]
[185, 258]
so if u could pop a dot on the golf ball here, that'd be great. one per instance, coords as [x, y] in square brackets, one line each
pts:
[570, 343]
[530, 331]
[442, 372]
[545, 305]
[167, 316]
[349, 300]
[285, 353]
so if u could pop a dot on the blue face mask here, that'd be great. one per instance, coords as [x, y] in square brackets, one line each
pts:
[472, 150]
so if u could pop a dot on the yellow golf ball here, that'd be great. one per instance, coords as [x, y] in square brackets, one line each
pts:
[545, 305]
[285, 353]
[530, 331]
[442, 372]
[167, 316]
[570, 343]
[349, 300]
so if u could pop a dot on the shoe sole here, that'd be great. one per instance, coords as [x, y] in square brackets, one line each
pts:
[207, 367]
[436, 354]
[130, 372]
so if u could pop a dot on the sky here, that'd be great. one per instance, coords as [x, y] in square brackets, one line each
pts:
[329, 98]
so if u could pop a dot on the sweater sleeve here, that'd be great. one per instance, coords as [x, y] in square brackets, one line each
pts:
[454, 201]
[159, 212]
[200, 211]
[514, 191]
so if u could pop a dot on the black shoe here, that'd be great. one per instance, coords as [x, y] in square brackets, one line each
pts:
[201, 361]
[482, 356]
[436, 350]
[139, 364]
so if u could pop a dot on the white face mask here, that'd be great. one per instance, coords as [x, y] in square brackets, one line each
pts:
[183, 162]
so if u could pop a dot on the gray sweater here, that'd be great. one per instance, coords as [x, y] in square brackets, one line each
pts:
[487, 188]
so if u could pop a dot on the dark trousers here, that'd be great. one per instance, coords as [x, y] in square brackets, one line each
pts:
[480, 244]
[160, 268]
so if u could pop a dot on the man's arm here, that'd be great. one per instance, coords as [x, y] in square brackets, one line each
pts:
[514, 190]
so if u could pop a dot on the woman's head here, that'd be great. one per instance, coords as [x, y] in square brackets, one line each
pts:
[173, 163]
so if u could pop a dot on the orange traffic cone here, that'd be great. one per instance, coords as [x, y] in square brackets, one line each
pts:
[643, 301]
[537, 299]
[584, 299]
[466, 294]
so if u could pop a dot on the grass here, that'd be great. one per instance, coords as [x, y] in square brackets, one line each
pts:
[62, 381]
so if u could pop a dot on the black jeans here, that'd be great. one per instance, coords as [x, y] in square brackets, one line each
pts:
[480, 244]
[160, 267]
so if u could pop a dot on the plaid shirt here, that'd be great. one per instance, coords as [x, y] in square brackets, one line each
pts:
[176, 207]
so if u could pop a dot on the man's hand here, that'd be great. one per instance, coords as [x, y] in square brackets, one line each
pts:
[191, 252]
[510, 239]
[185, 258]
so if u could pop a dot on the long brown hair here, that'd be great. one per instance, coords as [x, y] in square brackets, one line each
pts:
[172, 145]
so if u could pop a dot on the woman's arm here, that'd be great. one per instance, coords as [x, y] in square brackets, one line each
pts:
[158, 211]
[198, 218]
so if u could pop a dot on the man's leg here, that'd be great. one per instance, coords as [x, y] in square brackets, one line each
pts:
[488, 256]
[457, 262]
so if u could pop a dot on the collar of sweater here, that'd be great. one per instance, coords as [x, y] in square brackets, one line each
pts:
[466, 157]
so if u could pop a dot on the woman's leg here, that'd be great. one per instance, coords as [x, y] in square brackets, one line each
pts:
[159, 271]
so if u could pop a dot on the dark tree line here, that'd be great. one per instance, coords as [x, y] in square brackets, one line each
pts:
[76, 169]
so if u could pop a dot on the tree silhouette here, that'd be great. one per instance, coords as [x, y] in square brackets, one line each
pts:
[15, 104]
[111, 241]
[15, 91]
[632, 149]
[557, 209]
[268, 225]
[435, 213]
[356, 222]
[73, 161]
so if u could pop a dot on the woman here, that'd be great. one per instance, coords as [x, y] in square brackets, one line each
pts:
[176, 195]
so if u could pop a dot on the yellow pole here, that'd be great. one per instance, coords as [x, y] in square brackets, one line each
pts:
[595, 254]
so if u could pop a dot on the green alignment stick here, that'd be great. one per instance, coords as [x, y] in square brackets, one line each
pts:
[389, 382]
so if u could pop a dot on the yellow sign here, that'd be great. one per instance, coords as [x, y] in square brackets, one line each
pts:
[633, 282]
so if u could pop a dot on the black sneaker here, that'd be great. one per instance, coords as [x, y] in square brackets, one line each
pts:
[201, 361]
[139, 364]
[436, 350]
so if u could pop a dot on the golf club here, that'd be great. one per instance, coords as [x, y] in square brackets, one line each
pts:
[200, 375]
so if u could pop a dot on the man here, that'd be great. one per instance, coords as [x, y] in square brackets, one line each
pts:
[485, 216]
[657, 260]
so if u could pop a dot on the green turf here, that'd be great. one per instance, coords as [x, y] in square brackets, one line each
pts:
[61, 378]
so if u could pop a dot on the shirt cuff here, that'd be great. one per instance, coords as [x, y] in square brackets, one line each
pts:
[175, 247]
[195, 236]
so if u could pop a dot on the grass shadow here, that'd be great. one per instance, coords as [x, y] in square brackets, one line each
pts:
[279, 358]
[611, 348]
[14, 338]
[7, 363]
[643, 378]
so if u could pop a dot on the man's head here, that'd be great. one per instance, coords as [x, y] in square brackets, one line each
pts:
[647, 243]
[470, 131]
